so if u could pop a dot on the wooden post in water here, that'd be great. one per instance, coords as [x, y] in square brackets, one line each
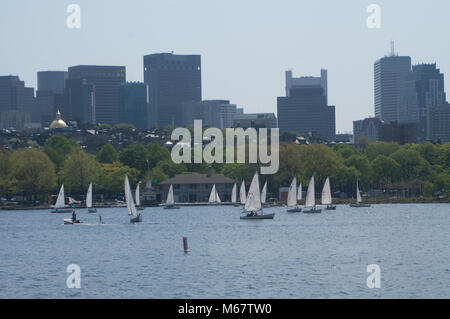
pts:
[185, 244]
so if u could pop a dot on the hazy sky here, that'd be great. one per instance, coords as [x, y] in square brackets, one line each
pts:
[246, 46]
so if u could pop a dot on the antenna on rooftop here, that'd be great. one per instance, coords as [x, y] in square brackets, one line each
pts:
[392, 48]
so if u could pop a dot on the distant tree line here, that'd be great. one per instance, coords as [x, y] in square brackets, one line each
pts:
[417, 169]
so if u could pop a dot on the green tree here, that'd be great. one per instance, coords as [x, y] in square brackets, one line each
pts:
[345, 179]
[107, 154]
[125, 126]
[362, 164]
[135, 156]
[239, 171]
[7, 182]
[170, 168]
[412, 165]
[34, 172]
[318, 160]
[79, 170]
[156, 175]
[156, 153]
[380, 148]
[112, 178]
[58, 147]
[345, 150]
[386, 170]
[428, 189]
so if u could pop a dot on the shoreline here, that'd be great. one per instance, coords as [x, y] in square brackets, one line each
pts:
[372, 201]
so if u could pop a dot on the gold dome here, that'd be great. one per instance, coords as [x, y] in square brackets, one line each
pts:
[58, 122]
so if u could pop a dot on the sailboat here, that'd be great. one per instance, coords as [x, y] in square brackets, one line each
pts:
[242, 195]
[234, 195]
[299, 192]
[132, 211]
[292, 197]
[170, 202]
[264, 195]
[253, 209]
[214, 196]
[326, 195]
[358, 198]
[138, 197]
[310, 204]
[89, 200]
[60, 205]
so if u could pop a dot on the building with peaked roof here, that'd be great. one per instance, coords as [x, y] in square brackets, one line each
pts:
[196, 188]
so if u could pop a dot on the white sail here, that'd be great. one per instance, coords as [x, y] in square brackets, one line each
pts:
[218, 198]
[234, 194]
[358, 194]
[129, 198]
[89, 197]
[170, 200]
[60, 201]
[212, 195]
[253, 202]
[326, 193]
[292, 194]
[299, 192]
[138, 195]
[242, 195]
[264, 193]
[310, 194]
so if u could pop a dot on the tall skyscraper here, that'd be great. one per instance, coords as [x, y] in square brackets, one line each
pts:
[308, 81]
[391, 74]
[106, 81]
[438, 123]
[429, 85]
[171, 80]
[79, 101]
[133, 104]
[16, 100]
[50, 94]
[305, 110]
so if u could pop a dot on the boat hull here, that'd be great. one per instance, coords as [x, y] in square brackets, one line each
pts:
[137, 219]
[312, 211]
[266, 216]
[331, 207]
[171, 207]
[61, 210]
[295, 210]
[71, 222]
[92, 210]
[140, 208]
[360, 205]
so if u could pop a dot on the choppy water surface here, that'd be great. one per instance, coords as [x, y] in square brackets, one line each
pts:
[292, 256]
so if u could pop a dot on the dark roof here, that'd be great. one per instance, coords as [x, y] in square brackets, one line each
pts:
[199, 179]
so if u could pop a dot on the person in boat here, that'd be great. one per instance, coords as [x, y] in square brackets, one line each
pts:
[74, 216]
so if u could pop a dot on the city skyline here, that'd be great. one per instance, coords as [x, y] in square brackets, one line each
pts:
[244, 61]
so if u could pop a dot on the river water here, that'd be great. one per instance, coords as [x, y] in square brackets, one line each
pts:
[293, 256]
